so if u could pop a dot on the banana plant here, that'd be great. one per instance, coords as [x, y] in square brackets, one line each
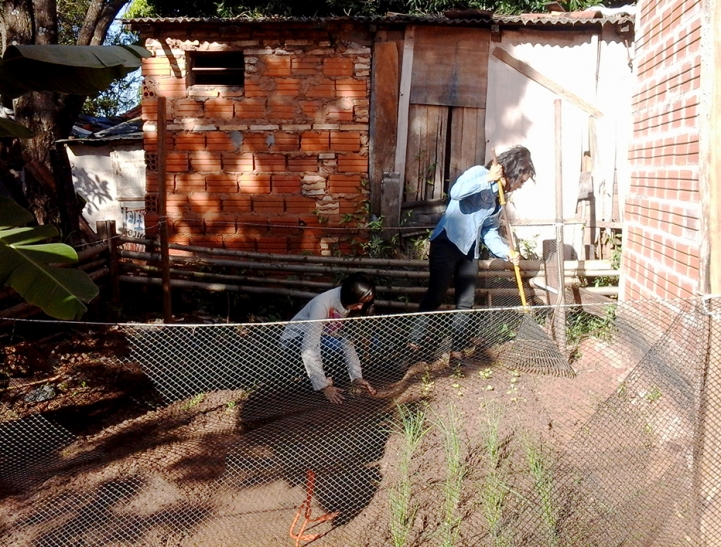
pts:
[29, 264]
[9, 128]
[76, 70]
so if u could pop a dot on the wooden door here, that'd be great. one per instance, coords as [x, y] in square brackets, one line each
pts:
[446, 111]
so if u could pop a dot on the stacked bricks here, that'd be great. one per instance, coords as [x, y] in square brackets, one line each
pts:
[279, 165]
[662, 219]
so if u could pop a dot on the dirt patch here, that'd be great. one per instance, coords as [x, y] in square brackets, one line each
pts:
[220, 469]
[75, 378]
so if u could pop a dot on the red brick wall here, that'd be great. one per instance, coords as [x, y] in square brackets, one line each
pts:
[663, 209]
[278, 166]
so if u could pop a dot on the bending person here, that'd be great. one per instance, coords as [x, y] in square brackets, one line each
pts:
[471, 218]
[308, 332]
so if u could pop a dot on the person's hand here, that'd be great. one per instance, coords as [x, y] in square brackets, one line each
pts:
[332, 393]
[414, 346]
[360, 382]
[514, 257]
[496, 172]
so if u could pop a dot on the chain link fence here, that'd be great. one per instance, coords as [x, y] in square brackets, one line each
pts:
[470, 439]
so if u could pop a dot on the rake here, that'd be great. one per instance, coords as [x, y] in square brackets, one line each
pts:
[532, 350]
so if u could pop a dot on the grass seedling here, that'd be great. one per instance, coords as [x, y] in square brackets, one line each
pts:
[582, 325]
[413, 428]
[455, 472]
[486, 373]
[540, 468]
[653, 395]
[495, 486]
[427, 382]
[194, 401]
[493, 415]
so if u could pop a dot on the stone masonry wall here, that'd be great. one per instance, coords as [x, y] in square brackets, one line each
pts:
[279, 165]
[663, 208]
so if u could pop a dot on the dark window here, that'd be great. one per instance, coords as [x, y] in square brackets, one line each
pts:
[217, 68]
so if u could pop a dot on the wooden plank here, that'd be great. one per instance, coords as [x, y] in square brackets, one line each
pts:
[437, 143]
[468, 140]
[450, 66]
[412, 189]
[425, 160]
[385, 81]
[530, 72]
[393, 218]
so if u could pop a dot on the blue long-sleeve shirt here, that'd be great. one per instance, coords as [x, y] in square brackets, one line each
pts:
[472, 215]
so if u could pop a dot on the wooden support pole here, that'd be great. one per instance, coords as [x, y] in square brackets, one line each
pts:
[707, 455]
[560, 314]
[162, 211]
[277, 291]
[106, 230]
[572, 267]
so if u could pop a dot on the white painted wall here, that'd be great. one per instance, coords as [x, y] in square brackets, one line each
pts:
[111, 177]
[521, 111]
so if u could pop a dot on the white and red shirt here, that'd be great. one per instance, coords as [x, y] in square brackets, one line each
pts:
[314, 321]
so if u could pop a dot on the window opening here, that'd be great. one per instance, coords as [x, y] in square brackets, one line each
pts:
[225, 68]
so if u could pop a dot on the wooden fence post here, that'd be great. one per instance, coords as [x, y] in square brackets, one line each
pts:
[162, 211]
[107, 232]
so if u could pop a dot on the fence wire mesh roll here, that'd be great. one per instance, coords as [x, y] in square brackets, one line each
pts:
[234, 447]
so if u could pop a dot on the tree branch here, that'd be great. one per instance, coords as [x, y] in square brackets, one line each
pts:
[98, 19]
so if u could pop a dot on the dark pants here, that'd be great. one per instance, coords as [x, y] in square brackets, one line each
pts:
[447, 264]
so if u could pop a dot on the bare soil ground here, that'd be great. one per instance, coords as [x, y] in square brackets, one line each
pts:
[205, 472]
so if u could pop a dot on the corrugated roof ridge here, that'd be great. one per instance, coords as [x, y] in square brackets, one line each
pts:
[544, 18]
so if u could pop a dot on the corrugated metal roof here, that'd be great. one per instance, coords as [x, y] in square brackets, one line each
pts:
[529, 20]
[100, 129]
[129, 137]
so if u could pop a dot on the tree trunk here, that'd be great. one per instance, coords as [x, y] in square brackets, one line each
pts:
[16, 22]
[48, 184]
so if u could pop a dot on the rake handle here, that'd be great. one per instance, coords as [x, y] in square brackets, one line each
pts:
[504, 211]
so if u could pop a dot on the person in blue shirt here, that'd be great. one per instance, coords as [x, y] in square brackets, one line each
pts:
[472, 217]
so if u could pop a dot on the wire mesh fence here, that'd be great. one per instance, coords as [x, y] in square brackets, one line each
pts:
[614, 443]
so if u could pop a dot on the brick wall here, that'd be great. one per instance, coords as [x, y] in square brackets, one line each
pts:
[277, 166]
[663, 207]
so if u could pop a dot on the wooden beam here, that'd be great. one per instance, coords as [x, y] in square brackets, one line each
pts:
[707, 438]
[404, 102]
[384, 121]
[530, 72]
[710, 163]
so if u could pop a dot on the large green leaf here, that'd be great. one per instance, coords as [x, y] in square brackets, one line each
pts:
[77, 70]
[26, 266]
[11, 214]
[32, 234]
[9, 128]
